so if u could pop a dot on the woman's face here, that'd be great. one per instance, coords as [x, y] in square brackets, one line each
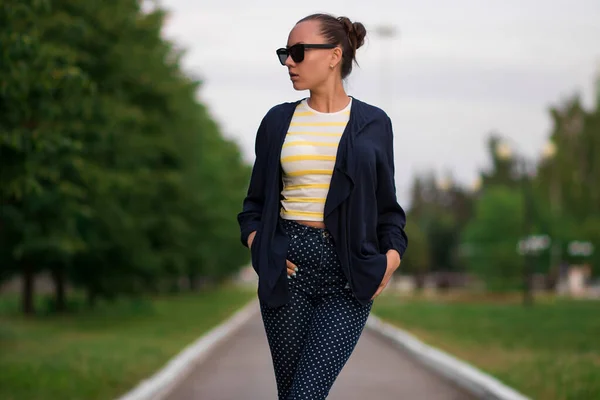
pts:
[315, 69]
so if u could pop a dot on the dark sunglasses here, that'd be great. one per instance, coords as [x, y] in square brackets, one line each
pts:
[297, 51]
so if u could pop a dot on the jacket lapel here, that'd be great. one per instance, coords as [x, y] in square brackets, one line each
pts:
[342, 180]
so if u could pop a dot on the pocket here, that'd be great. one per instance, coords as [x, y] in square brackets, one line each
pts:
[369, 268]
[291, 250]
[254, 250]
[368, 248]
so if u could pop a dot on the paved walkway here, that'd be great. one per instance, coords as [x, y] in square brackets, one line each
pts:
[240, 369]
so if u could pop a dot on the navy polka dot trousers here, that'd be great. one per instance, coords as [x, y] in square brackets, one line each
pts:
[312, 337]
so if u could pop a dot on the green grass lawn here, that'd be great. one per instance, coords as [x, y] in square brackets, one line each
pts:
[549, 352]
[104, 353]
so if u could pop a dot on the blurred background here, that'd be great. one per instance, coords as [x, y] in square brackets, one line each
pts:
[127, 139]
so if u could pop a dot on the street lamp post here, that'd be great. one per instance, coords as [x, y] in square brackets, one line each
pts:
[385, 32]
[598, 85]
[527, 227]
[548, 153]
[505, 151]
[476, 184]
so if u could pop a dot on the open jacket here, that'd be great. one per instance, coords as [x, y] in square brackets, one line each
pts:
[361, 210]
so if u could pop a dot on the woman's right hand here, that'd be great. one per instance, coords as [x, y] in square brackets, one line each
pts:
[291, 267]
[251, 239]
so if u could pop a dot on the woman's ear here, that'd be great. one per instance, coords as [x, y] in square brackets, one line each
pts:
[336, 56]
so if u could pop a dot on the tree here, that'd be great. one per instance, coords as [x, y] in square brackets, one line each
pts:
[40, 143]
[417, 260]
[568, 177]
[503, 169]
[440, 209]
[114, 177]
[491, 238]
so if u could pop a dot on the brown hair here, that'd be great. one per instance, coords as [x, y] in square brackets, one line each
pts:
[341, 31]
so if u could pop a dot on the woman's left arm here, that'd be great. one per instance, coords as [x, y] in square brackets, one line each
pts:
[391, 218]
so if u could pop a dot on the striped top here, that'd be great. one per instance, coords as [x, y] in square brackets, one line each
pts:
[307, 159]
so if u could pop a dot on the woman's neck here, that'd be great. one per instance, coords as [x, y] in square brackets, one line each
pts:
[329, 100]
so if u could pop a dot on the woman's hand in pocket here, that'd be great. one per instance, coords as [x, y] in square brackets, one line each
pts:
[251, 239]
[291, 269]
[393, 262]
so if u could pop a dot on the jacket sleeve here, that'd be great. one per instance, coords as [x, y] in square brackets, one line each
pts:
[391, 218]
[250, 216]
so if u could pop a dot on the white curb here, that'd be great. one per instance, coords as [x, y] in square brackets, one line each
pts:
[158, 386]
[465, 375]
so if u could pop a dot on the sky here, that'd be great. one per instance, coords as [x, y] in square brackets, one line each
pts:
[453, 72]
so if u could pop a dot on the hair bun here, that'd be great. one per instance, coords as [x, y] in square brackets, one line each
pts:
[355, 30]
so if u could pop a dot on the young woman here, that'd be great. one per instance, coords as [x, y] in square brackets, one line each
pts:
[321, 218]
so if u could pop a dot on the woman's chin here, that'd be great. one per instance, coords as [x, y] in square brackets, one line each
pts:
[299, 86]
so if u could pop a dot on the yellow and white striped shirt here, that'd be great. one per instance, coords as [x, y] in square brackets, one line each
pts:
[307, 159]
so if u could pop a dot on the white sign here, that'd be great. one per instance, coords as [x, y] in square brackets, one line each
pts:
[578, 248]
[533, 243]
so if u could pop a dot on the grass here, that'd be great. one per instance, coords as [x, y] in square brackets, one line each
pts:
[550, 351]
[104, 353]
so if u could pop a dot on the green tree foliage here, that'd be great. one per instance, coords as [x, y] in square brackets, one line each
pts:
[114, 178]
[417, 260]
[503, 169]
[563, 197]
[439, 210]
[490, 239]
[570, 179]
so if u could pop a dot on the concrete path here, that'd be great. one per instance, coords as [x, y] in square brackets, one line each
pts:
[240, 369]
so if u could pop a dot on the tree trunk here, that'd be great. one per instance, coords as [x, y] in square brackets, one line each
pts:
[193, 281]
[420, 280]
[28, 288]
[58, 275]
[92, 297]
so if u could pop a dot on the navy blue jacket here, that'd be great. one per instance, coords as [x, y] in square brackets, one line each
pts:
[361, 210]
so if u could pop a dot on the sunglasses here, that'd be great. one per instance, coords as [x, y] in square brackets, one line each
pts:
[297, 51]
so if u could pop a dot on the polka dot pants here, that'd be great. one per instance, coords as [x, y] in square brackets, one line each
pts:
[312, 337]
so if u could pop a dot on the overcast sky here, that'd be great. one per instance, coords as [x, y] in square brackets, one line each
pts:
[455, 71]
